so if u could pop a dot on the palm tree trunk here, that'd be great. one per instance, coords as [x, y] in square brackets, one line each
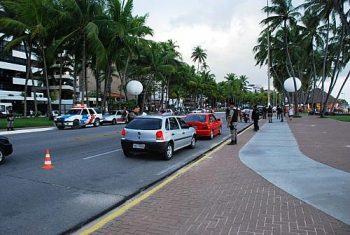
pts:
[341, 88]
[324, 70]
[34, 93]
[75, 80]
[83, 70]
[292, 68]
[28, 68]
[60, 85]
[106, 85]
[46, 81]
[97, 77]
[334, 78]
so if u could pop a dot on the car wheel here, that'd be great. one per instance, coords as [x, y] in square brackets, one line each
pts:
[211, 134]
[97, 122]
[220, 130]
[193, 142]
[168, 152]
[114, 122]
[75, 124]
[127, 153]
[2, 156]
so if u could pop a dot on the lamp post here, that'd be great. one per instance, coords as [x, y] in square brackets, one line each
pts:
[268, 59]
[134, 88]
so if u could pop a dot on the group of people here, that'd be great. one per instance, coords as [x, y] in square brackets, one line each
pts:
[233, 113]
[130, 115]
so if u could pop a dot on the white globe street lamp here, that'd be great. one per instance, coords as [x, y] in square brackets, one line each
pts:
[134, 88]
[289, 84]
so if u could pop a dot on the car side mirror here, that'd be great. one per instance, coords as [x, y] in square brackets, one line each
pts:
[218, 119]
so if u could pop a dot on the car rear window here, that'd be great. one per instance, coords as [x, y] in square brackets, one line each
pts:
[195, 118]
[145, 124]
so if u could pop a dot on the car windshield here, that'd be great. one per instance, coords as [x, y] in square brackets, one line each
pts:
[145, 124]
[195, 118]
[74, 111]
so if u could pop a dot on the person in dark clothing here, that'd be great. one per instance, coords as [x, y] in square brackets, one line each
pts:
[232, 123]
[279, 112]
[134, 113]
[227, 112]
[10, 120]
[269, 113]
[255, 117]
[264, 112]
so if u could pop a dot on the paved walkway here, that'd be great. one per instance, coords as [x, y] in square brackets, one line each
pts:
[221, 195]
[274, 154]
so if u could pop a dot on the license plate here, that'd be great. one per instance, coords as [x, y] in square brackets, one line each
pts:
[138, 146]
[59, 124]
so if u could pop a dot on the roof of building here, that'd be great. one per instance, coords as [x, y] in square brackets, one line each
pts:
[315, 96]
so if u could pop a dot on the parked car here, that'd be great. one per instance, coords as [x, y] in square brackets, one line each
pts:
[159, 134]
[206, 124]
[114, 117]
[5, 148]
[79, 116]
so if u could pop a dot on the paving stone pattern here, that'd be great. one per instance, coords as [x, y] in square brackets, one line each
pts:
[222, 196]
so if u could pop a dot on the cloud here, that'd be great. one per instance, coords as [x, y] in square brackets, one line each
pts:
[226, 29]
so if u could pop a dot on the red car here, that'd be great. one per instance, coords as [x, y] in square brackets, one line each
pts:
[206, 124]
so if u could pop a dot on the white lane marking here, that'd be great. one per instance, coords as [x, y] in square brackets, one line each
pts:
[26, 131]
[97, 155]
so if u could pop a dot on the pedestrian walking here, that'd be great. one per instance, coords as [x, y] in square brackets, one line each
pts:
[269, 113]
[10, 121]
[290, 113]
[282, 113]
[255, 117]
[232, 124]
[264, 112]
[279, 112]
[125, 113]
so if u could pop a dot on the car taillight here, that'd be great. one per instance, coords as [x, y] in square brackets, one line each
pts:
[123, 133]
[159, 135]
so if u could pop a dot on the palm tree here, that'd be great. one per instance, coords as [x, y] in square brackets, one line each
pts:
[198, 55]
[283, 17]
[33, 21]
[82, 19]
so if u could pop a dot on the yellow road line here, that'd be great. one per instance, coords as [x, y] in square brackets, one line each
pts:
[124, 208]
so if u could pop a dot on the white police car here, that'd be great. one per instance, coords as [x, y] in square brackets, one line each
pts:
[79, 116]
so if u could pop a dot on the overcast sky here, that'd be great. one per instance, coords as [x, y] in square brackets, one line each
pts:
[226, 29]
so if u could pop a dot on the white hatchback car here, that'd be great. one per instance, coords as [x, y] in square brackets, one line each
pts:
[159, 134]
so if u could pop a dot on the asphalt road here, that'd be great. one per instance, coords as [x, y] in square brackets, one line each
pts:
[91, 176]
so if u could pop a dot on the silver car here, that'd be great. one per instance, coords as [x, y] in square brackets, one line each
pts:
[159, 134]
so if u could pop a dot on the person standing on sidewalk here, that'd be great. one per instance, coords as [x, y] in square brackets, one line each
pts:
[269, 113]
[255, 117]
[290, 113]
[264, 112]
[232, 124]
[10, 120]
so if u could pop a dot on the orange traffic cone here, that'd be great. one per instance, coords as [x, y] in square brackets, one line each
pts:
[47, 164]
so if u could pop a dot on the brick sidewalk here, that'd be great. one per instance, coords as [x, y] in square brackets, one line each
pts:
[323, 139]
[222, 196]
